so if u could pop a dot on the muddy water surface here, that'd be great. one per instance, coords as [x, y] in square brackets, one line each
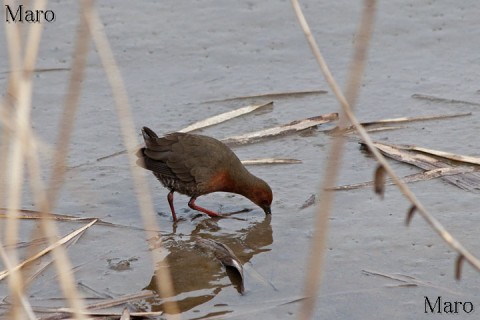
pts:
[175, 56]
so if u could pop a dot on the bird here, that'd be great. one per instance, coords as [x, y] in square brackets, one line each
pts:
[196, 165]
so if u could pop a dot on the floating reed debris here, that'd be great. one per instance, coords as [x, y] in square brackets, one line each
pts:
[270, 161]
[292, 127]
[469, 181]
[386, 124]
[224, 117]
[60, 242]
[422, 176]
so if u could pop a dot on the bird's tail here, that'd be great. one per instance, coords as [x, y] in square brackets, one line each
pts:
[148, 133]
[149, 136]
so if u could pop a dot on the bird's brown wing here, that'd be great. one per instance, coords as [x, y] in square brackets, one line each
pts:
[160, 156]
[187, 157]
[145, 161]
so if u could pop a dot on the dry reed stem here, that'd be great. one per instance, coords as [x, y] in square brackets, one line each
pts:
[30, 152]
[12, 34]
[22, 94]
[14, 54]
[434, 223]
[307, 308]
[272, 95]
[70, 110]
[164, 280]
[219, 118]
[23, 300]
[48, 227]
[316, 258]
[51, 247]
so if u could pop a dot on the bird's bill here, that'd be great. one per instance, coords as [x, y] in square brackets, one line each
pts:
[267, 210]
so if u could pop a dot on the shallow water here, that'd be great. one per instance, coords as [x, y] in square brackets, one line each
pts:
[174, 57]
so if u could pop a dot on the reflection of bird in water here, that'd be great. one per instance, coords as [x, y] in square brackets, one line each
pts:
[196, 165]
[198, 278]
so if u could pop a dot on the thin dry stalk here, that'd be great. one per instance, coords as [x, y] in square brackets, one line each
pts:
[30, 152]
[12, 33]
[251, 162]
[219, 118]
[23, 300]
[438, 99]
[289, 128]
[48, 249]
[422, 176]
[164, 281]
[434, 223]
[313, 277]
[70, 110]
[62, 263]
[22, 93]
[14, 55]
[273, 95]
[113, 302]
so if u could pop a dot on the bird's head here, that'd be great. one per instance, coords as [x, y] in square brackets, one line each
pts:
[262, 196]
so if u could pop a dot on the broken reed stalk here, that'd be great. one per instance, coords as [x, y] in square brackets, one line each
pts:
[50, 248]
[224, 117]
[313, 277]
[22, 299]
[112, 71]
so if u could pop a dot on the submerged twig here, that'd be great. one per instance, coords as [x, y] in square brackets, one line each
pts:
[437, 99]
[33, 215]
[145, 294]
[407, 280]
[63, 314]
[40, 70]
[274, 95]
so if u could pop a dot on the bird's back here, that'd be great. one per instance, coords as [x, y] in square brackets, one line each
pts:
[188, 163]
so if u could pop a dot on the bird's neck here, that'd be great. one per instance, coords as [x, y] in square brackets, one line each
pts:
[245, 184]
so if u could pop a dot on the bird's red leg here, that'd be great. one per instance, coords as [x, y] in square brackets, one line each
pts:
[192, 205]
[170, 202]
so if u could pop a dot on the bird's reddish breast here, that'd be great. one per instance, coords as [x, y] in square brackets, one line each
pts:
[220, 181]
